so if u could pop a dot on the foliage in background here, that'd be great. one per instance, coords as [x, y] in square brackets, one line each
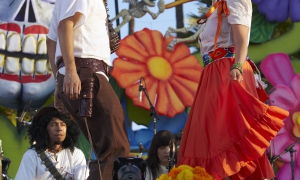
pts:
[9, 113]
[12, 114]
[261, 28]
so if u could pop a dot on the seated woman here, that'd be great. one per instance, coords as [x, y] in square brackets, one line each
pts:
[159, 154]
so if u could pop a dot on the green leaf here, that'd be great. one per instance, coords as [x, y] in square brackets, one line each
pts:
[296, 65]
[14, 144]
[261, 28]
[84, 145]
[187, 110]
[118, 90]
[138, 115]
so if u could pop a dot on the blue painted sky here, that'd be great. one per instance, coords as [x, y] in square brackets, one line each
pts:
[161, 23]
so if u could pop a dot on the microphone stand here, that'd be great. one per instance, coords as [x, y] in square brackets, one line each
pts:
[1, 155]
[171, 159]
[171, 163]
[291, 150]
[153, 111]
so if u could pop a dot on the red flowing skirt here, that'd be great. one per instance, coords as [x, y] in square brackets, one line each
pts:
[228, 128]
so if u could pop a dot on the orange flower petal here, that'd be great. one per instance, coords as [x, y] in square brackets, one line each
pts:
[188, 62]
[188, 68]
[180, 51]
[158, 41]
[168, 96]
[145, 38]
[185, 89]
[190, 74]
[126, 52]
[132, 42]
[168, 102]
[127, 72]
[167, 54]
[162, 102]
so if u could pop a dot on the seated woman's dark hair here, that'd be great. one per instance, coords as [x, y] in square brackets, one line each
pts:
[39, 137]
[161, 138]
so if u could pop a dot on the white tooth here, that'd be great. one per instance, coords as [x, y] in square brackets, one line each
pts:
[14, 43]
[27, 66]
[41, 66]
[10, 33]
[29, 45]
[41, 37]
[42, 47]
[12, 64]
[1, 62]
[2, 41]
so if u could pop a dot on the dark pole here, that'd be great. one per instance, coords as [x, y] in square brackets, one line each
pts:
[117, 12]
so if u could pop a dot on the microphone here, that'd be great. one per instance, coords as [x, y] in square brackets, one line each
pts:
[26, 123]
[140, 90]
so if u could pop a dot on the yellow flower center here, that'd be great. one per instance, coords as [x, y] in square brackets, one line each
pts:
[159, 68]
[296, 121]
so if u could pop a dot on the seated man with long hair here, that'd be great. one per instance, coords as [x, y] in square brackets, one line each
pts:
[52, 154]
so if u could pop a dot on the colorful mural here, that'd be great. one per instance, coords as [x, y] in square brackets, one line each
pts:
[279, 10]
[170, 77]
[24, 68]
[25, 75]
[285, 93]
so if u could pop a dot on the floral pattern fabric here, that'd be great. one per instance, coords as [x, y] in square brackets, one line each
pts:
[217, 54]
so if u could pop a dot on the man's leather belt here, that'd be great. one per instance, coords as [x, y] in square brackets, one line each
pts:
[94, 64]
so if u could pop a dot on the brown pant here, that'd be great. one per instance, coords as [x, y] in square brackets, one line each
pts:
[107, 127]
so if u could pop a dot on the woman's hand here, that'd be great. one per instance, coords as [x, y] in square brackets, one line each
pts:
[236, 75]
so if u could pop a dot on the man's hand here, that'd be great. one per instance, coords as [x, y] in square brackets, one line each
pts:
[72, 84]
[236, 75]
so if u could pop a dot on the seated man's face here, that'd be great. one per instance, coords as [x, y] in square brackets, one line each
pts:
[57, 131]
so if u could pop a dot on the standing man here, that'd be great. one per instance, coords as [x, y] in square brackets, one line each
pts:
[79, 52]
[52, 136]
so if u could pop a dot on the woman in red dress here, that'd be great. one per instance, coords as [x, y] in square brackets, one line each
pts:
[229, 126]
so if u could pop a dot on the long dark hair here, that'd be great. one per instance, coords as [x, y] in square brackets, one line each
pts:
[39, 137]
[161, 138]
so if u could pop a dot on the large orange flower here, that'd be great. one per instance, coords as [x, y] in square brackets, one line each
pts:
[171, 77]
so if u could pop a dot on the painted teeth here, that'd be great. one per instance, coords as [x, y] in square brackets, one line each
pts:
[27, 66]
[29, 45]
[12, 65]
[42, 47]
[2, 41]
[32, 44]
[2, 47]
[41, 66]
[14, 43]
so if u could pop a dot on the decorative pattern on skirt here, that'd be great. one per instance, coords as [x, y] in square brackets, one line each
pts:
[218, 54]
[229, 52]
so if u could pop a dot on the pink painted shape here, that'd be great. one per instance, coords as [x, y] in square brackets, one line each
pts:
[278, 69]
